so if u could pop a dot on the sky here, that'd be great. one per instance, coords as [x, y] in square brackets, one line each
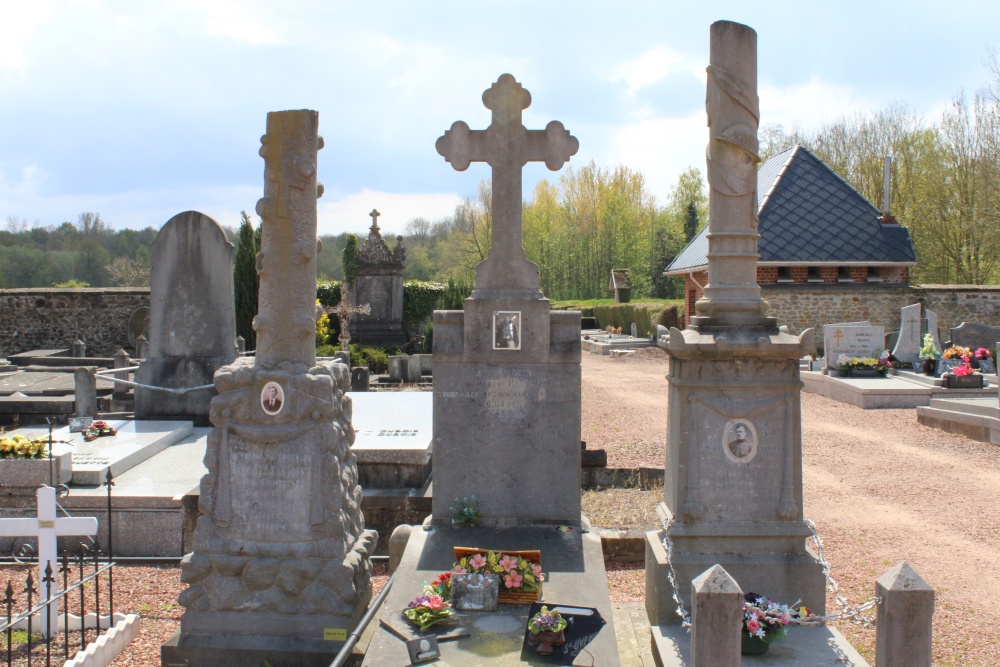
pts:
[141, 109]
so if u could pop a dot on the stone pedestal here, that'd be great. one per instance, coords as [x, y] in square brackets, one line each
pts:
[522, 458]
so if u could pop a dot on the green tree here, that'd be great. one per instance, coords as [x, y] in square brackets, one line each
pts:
[246, 282]
[350, 259]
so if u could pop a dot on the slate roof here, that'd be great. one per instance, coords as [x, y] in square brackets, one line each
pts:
[810, 214]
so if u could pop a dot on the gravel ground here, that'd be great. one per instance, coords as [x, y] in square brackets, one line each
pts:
[879, 486]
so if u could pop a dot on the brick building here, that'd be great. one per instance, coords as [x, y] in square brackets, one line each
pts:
[815, 230]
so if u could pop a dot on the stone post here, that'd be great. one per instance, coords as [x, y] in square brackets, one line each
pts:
[141, 346]
[241, 344]
[121, 361]
[85, 391]
[903, 637]
[78, 349]
[716, 619]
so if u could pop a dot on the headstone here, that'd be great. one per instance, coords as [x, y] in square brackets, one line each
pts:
[396, 367]
[733, 474]
[192, 320]
[414, 370]
[507, 360]
[975, 336]
[852, 340]
[359, 378]
[78, 349]
[141, 346]
[85, 391]
[379, 284]
[280, 571]
[912, 327]
[634, 331]
[47, 526]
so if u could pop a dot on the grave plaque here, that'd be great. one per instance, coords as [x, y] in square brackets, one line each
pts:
[852, 340]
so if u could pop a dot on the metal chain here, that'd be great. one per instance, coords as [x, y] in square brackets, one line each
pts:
[855, 614]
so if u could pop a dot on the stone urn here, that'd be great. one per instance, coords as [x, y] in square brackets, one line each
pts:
[546, 642]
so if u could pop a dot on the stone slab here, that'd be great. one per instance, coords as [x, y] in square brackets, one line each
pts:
[575, 567]
[47, 383]
[890, 392]
[821, 646]
[393, 434]
[973, 420]
[43, 405]
[604, 346]
[136, 441]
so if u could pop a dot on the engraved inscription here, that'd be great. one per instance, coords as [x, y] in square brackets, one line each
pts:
[270, 493]
[508, 394]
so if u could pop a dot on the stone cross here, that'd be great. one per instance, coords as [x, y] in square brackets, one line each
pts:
[46, 527]
[374, 216]
[506, 145]
[345, 311]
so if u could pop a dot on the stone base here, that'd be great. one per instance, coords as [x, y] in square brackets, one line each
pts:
[245, 651]
[814, 646]
[176, 373]
[782, 577]
[574, 567]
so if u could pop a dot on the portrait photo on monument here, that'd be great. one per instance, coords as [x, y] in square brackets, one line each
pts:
[739, 440]
[507, 330]
[272, 397]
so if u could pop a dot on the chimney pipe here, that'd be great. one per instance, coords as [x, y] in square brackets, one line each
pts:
[887, 181]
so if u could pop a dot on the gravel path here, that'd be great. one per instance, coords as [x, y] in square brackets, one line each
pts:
[879, 486]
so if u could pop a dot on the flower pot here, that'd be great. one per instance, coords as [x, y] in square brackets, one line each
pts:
[930, 367]
[963, 381]
[546, 642]
[752, 645]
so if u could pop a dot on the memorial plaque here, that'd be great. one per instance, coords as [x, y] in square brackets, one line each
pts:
[275, 507]
[475, 592]
[854, 341]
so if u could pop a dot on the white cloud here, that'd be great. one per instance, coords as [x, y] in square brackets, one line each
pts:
[350, 213]
[234, 20]
[655, 65]
[661, 148]
[808, 105]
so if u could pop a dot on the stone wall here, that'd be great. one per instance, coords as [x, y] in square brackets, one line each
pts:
[52, 318]
[801, 307]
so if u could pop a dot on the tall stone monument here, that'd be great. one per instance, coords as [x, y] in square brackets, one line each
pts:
[506, 364]
[733, 483]
[280, 571]
[192, 319]
[379, 284]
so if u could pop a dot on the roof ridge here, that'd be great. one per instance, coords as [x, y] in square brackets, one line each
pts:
[777, 179]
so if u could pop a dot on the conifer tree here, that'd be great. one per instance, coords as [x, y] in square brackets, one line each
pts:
[246, 282]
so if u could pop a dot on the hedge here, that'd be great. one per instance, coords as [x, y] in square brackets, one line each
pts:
[645, 315]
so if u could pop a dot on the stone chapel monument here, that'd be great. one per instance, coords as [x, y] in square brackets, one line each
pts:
[380, 285]
[733, 484]
[280, 571]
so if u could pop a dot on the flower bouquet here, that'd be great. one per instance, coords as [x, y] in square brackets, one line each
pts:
[546, 628]
[441, 586]
[881, 364]
[19, 447]
[963, 376]
[427, 610]
[520, 572]
[764, 622]
[956, 352]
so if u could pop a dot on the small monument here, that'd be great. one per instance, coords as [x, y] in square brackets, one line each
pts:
[345, 312]
[280, 572]
[192, 318]
[733, 483]
[914, 322]
[379, 284]
[507, 363]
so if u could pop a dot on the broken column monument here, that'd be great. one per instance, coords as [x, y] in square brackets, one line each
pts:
[733, 476]
[280, 572]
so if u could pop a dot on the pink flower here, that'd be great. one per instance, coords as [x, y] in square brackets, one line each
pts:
[752, 626]
[537, 570]
[434, 602]
[512, 580]
[477, 562]
[459, 570]
[508, 563]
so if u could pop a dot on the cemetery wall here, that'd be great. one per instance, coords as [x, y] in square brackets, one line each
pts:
[51, 318]
[802, 307]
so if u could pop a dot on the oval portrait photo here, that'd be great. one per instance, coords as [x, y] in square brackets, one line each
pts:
[272, 397]
[739, 440]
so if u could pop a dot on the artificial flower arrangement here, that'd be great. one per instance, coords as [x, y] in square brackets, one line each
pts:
[965, 369]
[928, 350]
[983, 354]
[441, 586]
[956, 352]
[520, 572]
[846, 364]
[18, 446]
[546, 628]
[764, 621]
[99, 429]
[427, 610]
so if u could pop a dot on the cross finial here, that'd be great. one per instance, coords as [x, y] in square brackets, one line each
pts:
[344, 311]
[374, 216]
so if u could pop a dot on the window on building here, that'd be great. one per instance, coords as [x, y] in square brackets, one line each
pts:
[813, 275]
[784, 275]
[844, 274]
[874, 274]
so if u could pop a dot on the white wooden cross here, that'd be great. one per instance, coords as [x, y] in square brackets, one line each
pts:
[47, 528]
[506, 145]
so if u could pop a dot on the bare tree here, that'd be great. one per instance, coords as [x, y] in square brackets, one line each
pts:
[127, 272]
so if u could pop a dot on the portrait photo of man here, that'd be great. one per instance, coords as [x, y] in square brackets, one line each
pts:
[507, 330]
[271, 398]
[740, 440]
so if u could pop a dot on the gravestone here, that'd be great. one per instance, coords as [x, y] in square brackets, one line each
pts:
[280, 571]
[192, 318]
[507, 361]
[733, 474]
[379, 283]
[914, 322]
[359, 378]
[852, 340]
[973, 335]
